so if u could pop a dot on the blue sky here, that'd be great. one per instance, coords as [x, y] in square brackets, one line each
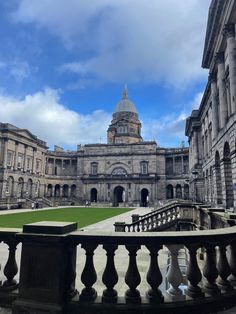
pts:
[64, 63]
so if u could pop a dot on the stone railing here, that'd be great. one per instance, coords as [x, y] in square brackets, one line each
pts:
[49, 282]
[159, 219]
[9, 285]
[167, 217]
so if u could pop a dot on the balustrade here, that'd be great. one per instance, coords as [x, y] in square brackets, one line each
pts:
[210, 280]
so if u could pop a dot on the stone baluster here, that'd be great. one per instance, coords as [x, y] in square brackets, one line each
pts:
[89, 276]
[232, 263]
[223, 270]
[10, 269]
[132, 277]
[152, 223]
[71, 273]
[138, 227]
[210, 271]
[110, 276]
[154, 277]
[174, 275]
[143, 225]
[193, 274]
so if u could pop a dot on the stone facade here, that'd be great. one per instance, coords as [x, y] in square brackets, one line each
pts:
[212, 128]
[126, 171]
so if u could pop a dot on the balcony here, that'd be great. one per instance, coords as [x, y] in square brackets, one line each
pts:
[64, 270]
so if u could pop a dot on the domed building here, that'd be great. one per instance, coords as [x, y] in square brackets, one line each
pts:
[125, 126]
[125, 171]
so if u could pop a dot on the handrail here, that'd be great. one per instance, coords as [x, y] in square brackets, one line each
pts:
[156, 219]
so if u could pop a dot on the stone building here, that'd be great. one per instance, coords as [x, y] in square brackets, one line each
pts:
[126, 170]
[212, 128]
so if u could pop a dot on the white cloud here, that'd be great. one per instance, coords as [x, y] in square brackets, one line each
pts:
[169, 129]
[128, 41]
[44, 115]
[17, 69]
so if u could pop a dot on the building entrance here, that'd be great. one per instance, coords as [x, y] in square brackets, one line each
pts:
[144, 198]
[119, 195]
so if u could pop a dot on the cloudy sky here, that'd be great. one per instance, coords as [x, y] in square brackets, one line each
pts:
[64, 63]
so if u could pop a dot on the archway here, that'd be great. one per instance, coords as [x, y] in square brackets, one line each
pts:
[49, 190]
[10, 187]
[169, 191]
[93, 195]
[29, 188]
[229, 196]
[73, 190]
[65, 190]
[20, 187]
[178, 191]
[57, 190]
[186, 191]
[144, 197]
[118, 195]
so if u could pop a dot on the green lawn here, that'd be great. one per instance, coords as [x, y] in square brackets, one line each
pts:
[83, 215]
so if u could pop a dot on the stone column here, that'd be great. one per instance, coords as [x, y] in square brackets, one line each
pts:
[195, 147]
[33, 160]
[25, 159]
[5, 153]
[16, 156]
[222, 90]
[214, 100]
[229, 33]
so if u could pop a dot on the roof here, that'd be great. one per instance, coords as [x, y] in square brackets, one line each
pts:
[125, 104]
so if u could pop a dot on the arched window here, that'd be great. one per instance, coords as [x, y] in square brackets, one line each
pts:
[119, 171]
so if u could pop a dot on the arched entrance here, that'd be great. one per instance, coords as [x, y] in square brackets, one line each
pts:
[144, 198]
[118, 195]
[169, 191]
[186, 192]
[93, 195]
[178, 191]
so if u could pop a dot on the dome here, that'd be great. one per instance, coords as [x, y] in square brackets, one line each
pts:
[125, 104]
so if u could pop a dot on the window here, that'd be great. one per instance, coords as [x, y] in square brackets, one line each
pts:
[20, 161]
[94, 168]
[144, 167]
[37, 165]
[9, 158]
[119, 172]
[122, 129]
[28, 163]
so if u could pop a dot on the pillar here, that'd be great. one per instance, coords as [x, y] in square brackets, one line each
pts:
[229, 33]
[5, 153]
[33, 160]
[195, 147]
[25, 159]
[222, 90]
[16, 156]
